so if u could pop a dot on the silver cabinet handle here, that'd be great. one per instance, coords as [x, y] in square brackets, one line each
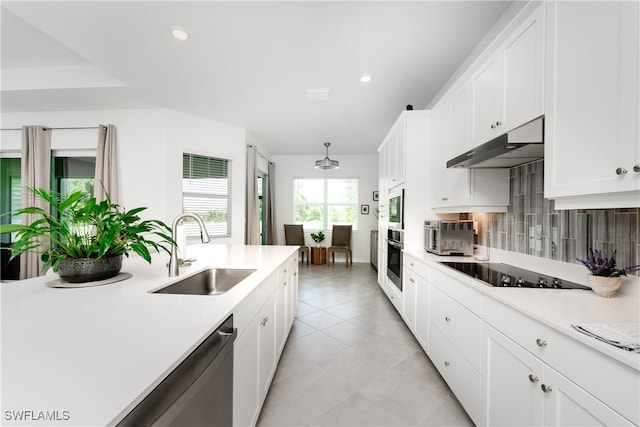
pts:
[264, 321]
[493, 126]
[412, 281]
[541, 342]
[412, 264]
[546, 388]
[621, 171]
[447, 319]
[447, 364]
[636, 168]
[533, 378]
[498, 123]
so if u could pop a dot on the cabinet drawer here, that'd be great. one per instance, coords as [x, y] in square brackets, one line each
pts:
[613, 382]
[463, 380]
[418, 267]
[464, 294]
[460, 326]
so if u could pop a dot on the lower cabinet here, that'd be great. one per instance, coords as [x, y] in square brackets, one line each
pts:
[507, 368]
[260, 343]
[521, 390]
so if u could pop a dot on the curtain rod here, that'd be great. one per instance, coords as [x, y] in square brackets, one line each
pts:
[67, 128]
[258, 152]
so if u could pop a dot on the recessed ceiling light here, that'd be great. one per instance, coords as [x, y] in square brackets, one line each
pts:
[179, 33]
[366, 78]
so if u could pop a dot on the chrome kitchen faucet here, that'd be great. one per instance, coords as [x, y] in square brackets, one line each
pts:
[174, 265]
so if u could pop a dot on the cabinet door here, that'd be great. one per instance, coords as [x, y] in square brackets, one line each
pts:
[422, 313]
[246, 386]
[267, 327]
[523, 72]
[409, 282]
[461, 125]
[282, 310]
[567, 404]
[591, 98]
[487, 100]
[510, 383]
[439, 157]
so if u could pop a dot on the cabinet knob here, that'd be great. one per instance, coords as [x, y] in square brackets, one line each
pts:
[447, 364]
[636, 168]
[412, 264]
[621, 171]
[533, 378]
[493, 126]
[546, 388]
[447, 319]
[412, 281]
[498, 123]
[541, 342]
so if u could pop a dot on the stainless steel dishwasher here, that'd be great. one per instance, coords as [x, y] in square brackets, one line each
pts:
[199, 392]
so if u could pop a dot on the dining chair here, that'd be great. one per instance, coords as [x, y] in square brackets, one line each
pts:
[294, 236]
[341, 242]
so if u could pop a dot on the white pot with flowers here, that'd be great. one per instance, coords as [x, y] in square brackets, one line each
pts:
[605, 277]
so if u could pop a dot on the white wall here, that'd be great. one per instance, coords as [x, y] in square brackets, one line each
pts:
[150, 146]
[363, 167]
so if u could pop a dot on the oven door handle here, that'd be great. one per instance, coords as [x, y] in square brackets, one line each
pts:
[394, 243]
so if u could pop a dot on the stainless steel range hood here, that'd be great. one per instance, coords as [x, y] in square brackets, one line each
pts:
[521, 145]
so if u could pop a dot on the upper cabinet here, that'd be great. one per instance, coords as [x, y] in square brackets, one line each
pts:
[461, 190]
[592, 143]
[393, 153]
[507, 88]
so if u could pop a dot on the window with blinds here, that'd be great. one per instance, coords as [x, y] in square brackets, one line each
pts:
[206, 191]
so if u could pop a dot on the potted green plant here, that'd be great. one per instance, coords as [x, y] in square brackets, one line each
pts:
[605, 277]
[82, 239]
[318, 237]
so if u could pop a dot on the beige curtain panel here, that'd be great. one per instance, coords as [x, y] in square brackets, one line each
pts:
[252, 232]
[106, 178]
[35, 172]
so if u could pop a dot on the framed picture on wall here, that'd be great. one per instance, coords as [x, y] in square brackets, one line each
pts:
[364, 209]
[375, 196]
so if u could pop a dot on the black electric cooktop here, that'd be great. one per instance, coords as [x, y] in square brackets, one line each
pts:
[508, 276]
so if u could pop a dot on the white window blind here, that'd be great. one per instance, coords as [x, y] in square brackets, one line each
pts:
[206, 191]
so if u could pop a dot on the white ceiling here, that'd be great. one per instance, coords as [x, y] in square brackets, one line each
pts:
[246, 63]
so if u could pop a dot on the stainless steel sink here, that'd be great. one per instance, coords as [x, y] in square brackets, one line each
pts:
[215, 281]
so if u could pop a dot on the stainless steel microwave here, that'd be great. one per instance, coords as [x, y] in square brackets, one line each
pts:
[396, 210]
[448, 237]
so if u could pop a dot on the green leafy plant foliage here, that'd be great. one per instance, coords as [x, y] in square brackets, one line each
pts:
[78, 226]
[318, 237]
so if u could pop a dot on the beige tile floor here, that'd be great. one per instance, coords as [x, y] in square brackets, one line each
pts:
[351, 361]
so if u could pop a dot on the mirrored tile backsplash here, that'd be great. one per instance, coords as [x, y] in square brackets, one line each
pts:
[532, 226]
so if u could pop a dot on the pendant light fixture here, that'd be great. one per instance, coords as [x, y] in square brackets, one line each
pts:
[327, 163]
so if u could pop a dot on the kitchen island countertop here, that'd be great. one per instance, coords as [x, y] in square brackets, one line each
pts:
[87, 356]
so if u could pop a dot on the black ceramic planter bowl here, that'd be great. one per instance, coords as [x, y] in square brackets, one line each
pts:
[81, 270]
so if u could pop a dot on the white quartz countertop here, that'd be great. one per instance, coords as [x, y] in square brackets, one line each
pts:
[557, 308]
[87, 356]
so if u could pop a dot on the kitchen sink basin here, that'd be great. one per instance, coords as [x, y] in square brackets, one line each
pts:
[214, 281]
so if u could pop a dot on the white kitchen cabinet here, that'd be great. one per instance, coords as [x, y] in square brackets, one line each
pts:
[461, 120]
[416, 299]
[246, 377]
[523, 72]
[271, 308]
[455, 338]
[590, 389]
[254, 364]
[592, 145]
[461, 190]
[520, 390]
[565, 403]
[510, 383]
[487, 100]
[393, 152]
[508, 87]
[268, 360]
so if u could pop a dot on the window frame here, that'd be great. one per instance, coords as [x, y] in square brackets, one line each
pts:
[191, 232]
[325, 204]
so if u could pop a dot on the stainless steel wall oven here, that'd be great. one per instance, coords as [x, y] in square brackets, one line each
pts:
[395, 241]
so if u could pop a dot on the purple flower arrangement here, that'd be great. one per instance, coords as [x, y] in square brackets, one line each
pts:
[600, 265]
